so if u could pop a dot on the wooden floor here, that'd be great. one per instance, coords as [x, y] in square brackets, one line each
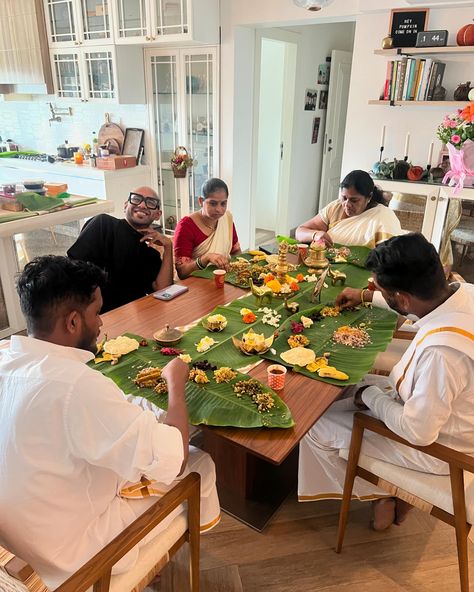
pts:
[295, 553]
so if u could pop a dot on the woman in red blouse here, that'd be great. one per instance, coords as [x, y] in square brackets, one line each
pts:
[207, 237]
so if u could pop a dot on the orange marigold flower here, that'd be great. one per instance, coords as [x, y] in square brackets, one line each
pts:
[274, 286]
[268, 278]
[249, 318]
[294, 287]
[300, 277]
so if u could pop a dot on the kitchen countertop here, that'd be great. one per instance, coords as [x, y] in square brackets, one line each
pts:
[70, 169]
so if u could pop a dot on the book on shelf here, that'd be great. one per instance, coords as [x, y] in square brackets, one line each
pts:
[436, 78]
[424, 80]
[401, 74]
[417, 81]
[388, 79]
[393, 82]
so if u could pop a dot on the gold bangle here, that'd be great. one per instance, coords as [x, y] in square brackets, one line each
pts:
[362, 297]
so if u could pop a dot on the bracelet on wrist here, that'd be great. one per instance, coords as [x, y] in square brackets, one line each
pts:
[367, 303]
[312, 236]
[199, 263]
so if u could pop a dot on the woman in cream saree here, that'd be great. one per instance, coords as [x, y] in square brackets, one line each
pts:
[358, 218]
[207, 237]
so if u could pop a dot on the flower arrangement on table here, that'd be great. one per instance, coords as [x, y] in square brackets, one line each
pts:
[457, 132]
[181, 161]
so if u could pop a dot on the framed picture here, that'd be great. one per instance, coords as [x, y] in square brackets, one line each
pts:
[323, 99]
[405, 24]
[323, 73]
[310, 99]
[315, 134]
[133, 142]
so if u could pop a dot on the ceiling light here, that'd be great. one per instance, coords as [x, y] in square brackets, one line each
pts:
[312, 4]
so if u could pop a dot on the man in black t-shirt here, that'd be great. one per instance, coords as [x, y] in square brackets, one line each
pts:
[127, 249]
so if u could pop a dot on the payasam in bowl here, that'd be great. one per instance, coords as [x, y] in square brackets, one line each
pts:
[216, 322]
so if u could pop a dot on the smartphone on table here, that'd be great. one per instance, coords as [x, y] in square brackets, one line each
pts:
[170, 292]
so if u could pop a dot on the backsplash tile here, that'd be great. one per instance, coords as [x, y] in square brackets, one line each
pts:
[26, 122]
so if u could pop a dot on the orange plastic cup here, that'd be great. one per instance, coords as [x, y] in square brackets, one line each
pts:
[219, 277]
[302, 251]
[276, 375]
[78, 158]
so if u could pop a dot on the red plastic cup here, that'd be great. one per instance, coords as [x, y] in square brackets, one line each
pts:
[302, 251]
[219, 277]
[276, 375]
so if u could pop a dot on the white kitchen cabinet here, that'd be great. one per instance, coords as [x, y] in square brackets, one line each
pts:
[99, 74]
[182, 88]
[24, 56]
[78, 22]
[166, 21]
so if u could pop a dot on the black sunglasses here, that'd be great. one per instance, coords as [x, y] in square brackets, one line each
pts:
[151, 202]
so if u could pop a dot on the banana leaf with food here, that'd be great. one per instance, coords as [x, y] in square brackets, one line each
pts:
[211, 403]
[342, 254]
[379, 324]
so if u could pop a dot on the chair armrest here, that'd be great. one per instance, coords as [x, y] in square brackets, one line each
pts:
[453, 457]
[105, 559]
[408, 335]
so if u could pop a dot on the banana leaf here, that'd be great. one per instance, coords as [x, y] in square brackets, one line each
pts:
[357, 256]
[224, 351]
[210, 404]
[355, 362]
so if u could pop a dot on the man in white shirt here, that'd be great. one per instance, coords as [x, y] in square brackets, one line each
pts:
[69, 439]
[429, 395]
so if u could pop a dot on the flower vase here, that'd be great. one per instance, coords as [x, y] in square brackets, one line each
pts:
[461, 162]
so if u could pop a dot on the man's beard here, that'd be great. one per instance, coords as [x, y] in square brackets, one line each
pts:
[88, 341]
[391, 301]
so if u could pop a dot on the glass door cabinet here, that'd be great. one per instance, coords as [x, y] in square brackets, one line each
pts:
[181, 92]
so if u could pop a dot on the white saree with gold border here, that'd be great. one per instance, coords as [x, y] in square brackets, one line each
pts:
[219, 241]
[364, 230]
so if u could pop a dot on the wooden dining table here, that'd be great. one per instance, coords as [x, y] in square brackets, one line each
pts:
[256, 468]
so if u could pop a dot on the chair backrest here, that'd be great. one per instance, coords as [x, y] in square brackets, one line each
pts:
[10, 584]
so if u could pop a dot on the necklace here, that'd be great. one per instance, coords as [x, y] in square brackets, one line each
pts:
[207, 225]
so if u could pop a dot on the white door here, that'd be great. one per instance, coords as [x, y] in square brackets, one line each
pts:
[275, 89]
[335, 126]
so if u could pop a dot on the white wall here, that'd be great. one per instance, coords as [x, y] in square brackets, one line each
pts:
[26, 122]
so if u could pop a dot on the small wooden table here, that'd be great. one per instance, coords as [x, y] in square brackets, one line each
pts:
[256, 468]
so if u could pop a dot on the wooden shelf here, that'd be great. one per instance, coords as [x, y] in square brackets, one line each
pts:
[457, 104]
[448, 50]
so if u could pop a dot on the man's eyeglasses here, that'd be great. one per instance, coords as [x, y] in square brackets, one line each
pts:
[151, 202]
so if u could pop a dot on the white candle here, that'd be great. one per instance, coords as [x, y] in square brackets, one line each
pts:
[430, 153]
[407, 144]
[382, 137]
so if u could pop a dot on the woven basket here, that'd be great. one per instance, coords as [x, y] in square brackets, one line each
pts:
[412, 221]
[179, 172]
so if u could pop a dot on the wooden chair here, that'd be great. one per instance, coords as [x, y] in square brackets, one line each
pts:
[152, 557]
[446, 497]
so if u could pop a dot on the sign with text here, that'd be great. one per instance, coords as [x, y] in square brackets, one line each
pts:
[405, 24]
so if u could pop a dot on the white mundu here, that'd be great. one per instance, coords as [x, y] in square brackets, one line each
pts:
[70, 441]
[434, 379]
